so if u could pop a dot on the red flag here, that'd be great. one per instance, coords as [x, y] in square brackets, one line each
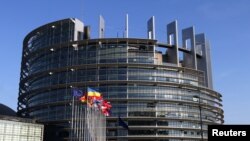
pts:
[83, 99]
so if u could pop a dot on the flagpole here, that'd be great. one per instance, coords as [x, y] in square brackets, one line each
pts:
[105, 129]
[94, 118]
[72, 121]
[77, 121]
[80, 122]
[82, 125]
[85, 121]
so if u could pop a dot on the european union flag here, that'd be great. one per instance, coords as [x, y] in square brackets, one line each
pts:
[123, 124]
[77, 92]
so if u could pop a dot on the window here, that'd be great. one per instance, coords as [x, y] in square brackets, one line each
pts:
[162, 123]
[188, 44]
[162, 132]
[171, 39]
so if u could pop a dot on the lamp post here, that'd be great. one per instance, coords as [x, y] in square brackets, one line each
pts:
[195, 98]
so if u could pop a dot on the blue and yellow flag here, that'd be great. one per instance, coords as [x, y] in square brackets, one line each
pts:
[93, 93]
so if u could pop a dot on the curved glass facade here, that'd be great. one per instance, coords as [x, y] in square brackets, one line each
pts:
[157, 99]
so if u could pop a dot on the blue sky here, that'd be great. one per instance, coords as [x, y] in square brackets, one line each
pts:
[225, 22]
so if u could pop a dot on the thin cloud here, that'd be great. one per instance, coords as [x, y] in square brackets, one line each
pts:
[222, 11]
[226, 74]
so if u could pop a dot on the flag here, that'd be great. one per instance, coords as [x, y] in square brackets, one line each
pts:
[105, 108]
[106, 104]
[97, 101]
[106, 113]
[77, 92]
[93, 93]
[83, 99]
[123, 123]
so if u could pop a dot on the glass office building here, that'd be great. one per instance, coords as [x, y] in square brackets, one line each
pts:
[163, 91]
[20, 130]
[13, 128]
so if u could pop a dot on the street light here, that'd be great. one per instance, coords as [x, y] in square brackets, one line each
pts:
[197, 98]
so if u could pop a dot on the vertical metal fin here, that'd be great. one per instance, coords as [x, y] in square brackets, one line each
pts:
[204, 62]
[189, 59]
[101, 27]
[126, 26]
[151, 28]
[172, 32]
